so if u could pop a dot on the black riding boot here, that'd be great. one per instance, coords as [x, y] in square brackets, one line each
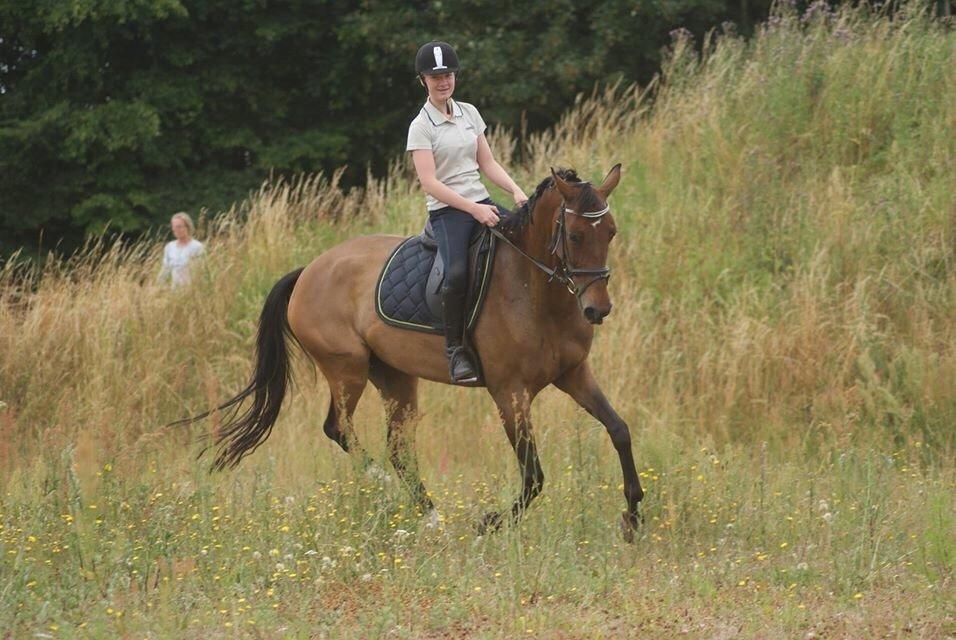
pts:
[461, 368]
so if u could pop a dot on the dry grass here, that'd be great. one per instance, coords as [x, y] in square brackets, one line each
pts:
[782, 346]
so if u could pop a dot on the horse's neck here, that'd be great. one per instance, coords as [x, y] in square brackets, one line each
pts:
[548, 298]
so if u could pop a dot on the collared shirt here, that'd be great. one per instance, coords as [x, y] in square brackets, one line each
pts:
[454, 143]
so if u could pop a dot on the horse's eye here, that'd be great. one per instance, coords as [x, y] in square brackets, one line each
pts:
[576, 238]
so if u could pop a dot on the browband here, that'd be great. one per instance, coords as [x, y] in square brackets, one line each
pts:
[590, 214]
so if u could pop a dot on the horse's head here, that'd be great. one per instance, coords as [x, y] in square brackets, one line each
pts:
[581, 233]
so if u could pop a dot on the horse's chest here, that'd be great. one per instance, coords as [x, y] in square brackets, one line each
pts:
[548, 356]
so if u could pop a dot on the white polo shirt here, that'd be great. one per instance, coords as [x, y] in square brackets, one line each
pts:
[454, 143]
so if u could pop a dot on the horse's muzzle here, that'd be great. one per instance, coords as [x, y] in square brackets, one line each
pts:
[595, 315]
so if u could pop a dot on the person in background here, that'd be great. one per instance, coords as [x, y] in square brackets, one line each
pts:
[179, 252]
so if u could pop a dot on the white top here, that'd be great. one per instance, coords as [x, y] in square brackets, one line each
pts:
[176, 259]
[454, 143]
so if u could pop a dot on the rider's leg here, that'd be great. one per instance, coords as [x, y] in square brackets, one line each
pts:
[453, 229]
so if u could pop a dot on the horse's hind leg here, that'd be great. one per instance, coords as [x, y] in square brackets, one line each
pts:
[400, 394]
[347, 375]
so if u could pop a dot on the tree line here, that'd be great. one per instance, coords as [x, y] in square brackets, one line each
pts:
[116, 113]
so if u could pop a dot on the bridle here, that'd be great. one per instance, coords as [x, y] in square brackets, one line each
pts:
[565, 272]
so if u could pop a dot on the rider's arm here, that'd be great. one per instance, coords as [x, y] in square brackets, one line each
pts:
[425, 167]
[495, 172]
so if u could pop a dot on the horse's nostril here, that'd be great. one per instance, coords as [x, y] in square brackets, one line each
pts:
[590, 314]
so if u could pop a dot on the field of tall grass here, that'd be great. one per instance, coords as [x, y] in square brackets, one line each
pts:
[783, 346]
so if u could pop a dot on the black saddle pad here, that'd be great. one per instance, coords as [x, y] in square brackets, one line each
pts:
[408, 294]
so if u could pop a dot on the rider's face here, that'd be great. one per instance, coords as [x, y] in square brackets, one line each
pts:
[441, 86]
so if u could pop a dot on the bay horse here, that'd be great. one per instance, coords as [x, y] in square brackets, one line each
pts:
[548, 290]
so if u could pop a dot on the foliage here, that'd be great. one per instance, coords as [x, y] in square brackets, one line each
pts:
[115, 113]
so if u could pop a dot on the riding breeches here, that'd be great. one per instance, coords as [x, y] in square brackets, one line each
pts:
[453, 230]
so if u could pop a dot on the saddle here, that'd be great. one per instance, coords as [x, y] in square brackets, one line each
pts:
[408, 293]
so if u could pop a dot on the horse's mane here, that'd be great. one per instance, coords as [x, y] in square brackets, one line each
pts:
[521, 217]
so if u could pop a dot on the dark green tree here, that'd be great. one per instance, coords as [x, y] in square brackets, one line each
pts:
[116, 113]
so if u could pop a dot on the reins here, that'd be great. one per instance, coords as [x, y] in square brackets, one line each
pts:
[564, 273]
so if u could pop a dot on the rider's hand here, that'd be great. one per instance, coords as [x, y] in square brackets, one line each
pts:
[519, 196]
[486, 214]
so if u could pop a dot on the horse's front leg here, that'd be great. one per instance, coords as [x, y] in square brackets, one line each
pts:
[580, 384]
[515, 410]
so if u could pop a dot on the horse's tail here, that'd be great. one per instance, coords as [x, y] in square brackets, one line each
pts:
[241, 434]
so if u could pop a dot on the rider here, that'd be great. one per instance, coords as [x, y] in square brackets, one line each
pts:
[448, 145]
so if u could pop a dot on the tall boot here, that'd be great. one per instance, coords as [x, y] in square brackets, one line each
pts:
[461, 367]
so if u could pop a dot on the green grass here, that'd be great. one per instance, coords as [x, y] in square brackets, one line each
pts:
[782, 346]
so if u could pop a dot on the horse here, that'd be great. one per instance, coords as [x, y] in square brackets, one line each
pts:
[548, 290]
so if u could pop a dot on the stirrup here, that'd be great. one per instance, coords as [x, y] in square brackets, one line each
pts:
[459, 358]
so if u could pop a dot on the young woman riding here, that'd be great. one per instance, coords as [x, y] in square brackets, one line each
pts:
[450, 152]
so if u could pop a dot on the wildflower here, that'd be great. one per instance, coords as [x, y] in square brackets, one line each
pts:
[256, 555]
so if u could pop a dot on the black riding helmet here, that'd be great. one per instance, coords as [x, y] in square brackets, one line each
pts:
[435, 58]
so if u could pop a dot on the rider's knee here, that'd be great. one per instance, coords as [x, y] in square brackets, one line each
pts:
[456, 280]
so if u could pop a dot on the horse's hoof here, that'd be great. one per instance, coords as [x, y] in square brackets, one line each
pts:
[490, 523]
[629, 524]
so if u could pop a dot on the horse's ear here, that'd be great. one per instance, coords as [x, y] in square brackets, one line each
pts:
[567, 191]
[610, 180]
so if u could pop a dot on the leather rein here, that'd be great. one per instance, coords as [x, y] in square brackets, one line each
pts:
[564, 272]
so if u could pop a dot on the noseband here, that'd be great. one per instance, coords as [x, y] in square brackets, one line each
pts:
[565, 272]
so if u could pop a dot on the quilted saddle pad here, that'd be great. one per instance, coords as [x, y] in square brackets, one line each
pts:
[408, 294]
